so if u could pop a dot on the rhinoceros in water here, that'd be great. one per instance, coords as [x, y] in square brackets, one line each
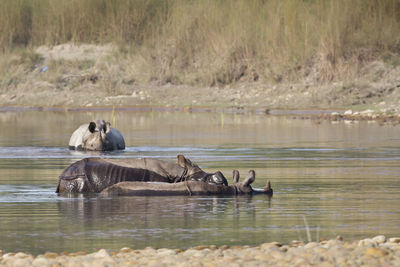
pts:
[97, 135]
[188, 188]
[92, 175]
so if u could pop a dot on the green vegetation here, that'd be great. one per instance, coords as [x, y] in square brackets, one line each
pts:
[217, 42]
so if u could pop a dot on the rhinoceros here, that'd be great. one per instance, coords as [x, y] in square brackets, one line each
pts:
[97, 135]
[96, 174]
[187, 188]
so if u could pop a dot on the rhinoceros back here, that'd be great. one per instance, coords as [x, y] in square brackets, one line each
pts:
[116, 139]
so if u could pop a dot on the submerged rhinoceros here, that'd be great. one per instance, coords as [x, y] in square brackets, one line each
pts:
[187, 188]
[97, 135]
[95, 174]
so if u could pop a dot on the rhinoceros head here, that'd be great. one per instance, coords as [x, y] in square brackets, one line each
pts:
[73, 179]
[245, 186]
[96, 137]
[194, 173]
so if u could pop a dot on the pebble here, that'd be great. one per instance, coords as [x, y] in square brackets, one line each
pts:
[394, 239]
[40, 261]
[311, 245]
[379, 239]
[375, 251]
[125, 250]
[368, 242]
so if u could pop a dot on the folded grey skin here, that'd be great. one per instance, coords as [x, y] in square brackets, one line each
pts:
[92, 175]
[187, 188]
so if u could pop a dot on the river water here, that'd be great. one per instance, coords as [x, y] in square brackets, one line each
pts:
[329, 179]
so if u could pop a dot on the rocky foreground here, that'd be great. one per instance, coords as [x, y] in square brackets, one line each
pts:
[378, 251]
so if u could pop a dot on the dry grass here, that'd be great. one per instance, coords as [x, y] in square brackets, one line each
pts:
[213, 42]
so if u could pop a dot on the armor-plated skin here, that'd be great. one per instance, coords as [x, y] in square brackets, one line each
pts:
[97, 135]
[95, 174]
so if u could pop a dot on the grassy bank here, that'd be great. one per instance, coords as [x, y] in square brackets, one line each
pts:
[284, 54]
[218, 42]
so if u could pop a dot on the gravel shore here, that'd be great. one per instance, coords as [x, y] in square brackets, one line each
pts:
[377, 251]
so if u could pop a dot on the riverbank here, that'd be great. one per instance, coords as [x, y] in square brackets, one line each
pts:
[87, 76]
[377, 251]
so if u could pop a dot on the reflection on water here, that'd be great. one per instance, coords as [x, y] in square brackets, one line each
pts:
[343, 177]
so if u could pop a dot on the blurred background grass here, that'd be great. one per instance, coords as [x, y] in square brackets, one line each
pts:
[217, 42]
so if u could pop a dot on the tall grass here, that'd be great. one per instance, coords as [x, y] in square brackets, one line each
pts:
[217, 41]
[37, 22]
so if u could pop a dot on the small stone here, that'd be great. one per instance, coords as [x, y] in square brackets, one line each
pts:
[267, 246]
[277, 255]
[40, 261]
[284, 248]
[311, 245]
[148, 250]
[296, 243]
[21, 255]
[339, 238]
[379, 239]
[368, 242]
[165, 252]
[125, 250]
[78, 253]
[334, 116]
[376, 252]
[21, 262]
[8, 255]
[394, 239]
[368, 111]
[332, 243]
[348, 112]
[238, 247]
[189, 252]
[212, 247]
[262, 257]
[101, 253]
[50, 255]
[155, 263]
[277, 244]
[389, 245]
[200, 247]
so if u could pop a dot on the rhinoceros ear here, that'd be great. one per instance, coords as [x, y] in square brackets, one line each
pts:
[107, 127]
[235, 176]
[250, 179]
[182, 161]
[92, 126]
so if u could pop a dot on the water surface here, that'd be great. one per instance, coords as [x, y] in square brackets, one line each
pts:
[342, 178]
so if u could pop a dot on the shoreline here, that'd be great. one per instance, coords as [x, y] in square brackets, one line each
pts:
[378, 250]
[316, 115]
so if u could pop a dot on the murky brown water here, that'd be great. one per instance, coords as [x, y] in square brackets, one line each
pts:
[344, 178]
